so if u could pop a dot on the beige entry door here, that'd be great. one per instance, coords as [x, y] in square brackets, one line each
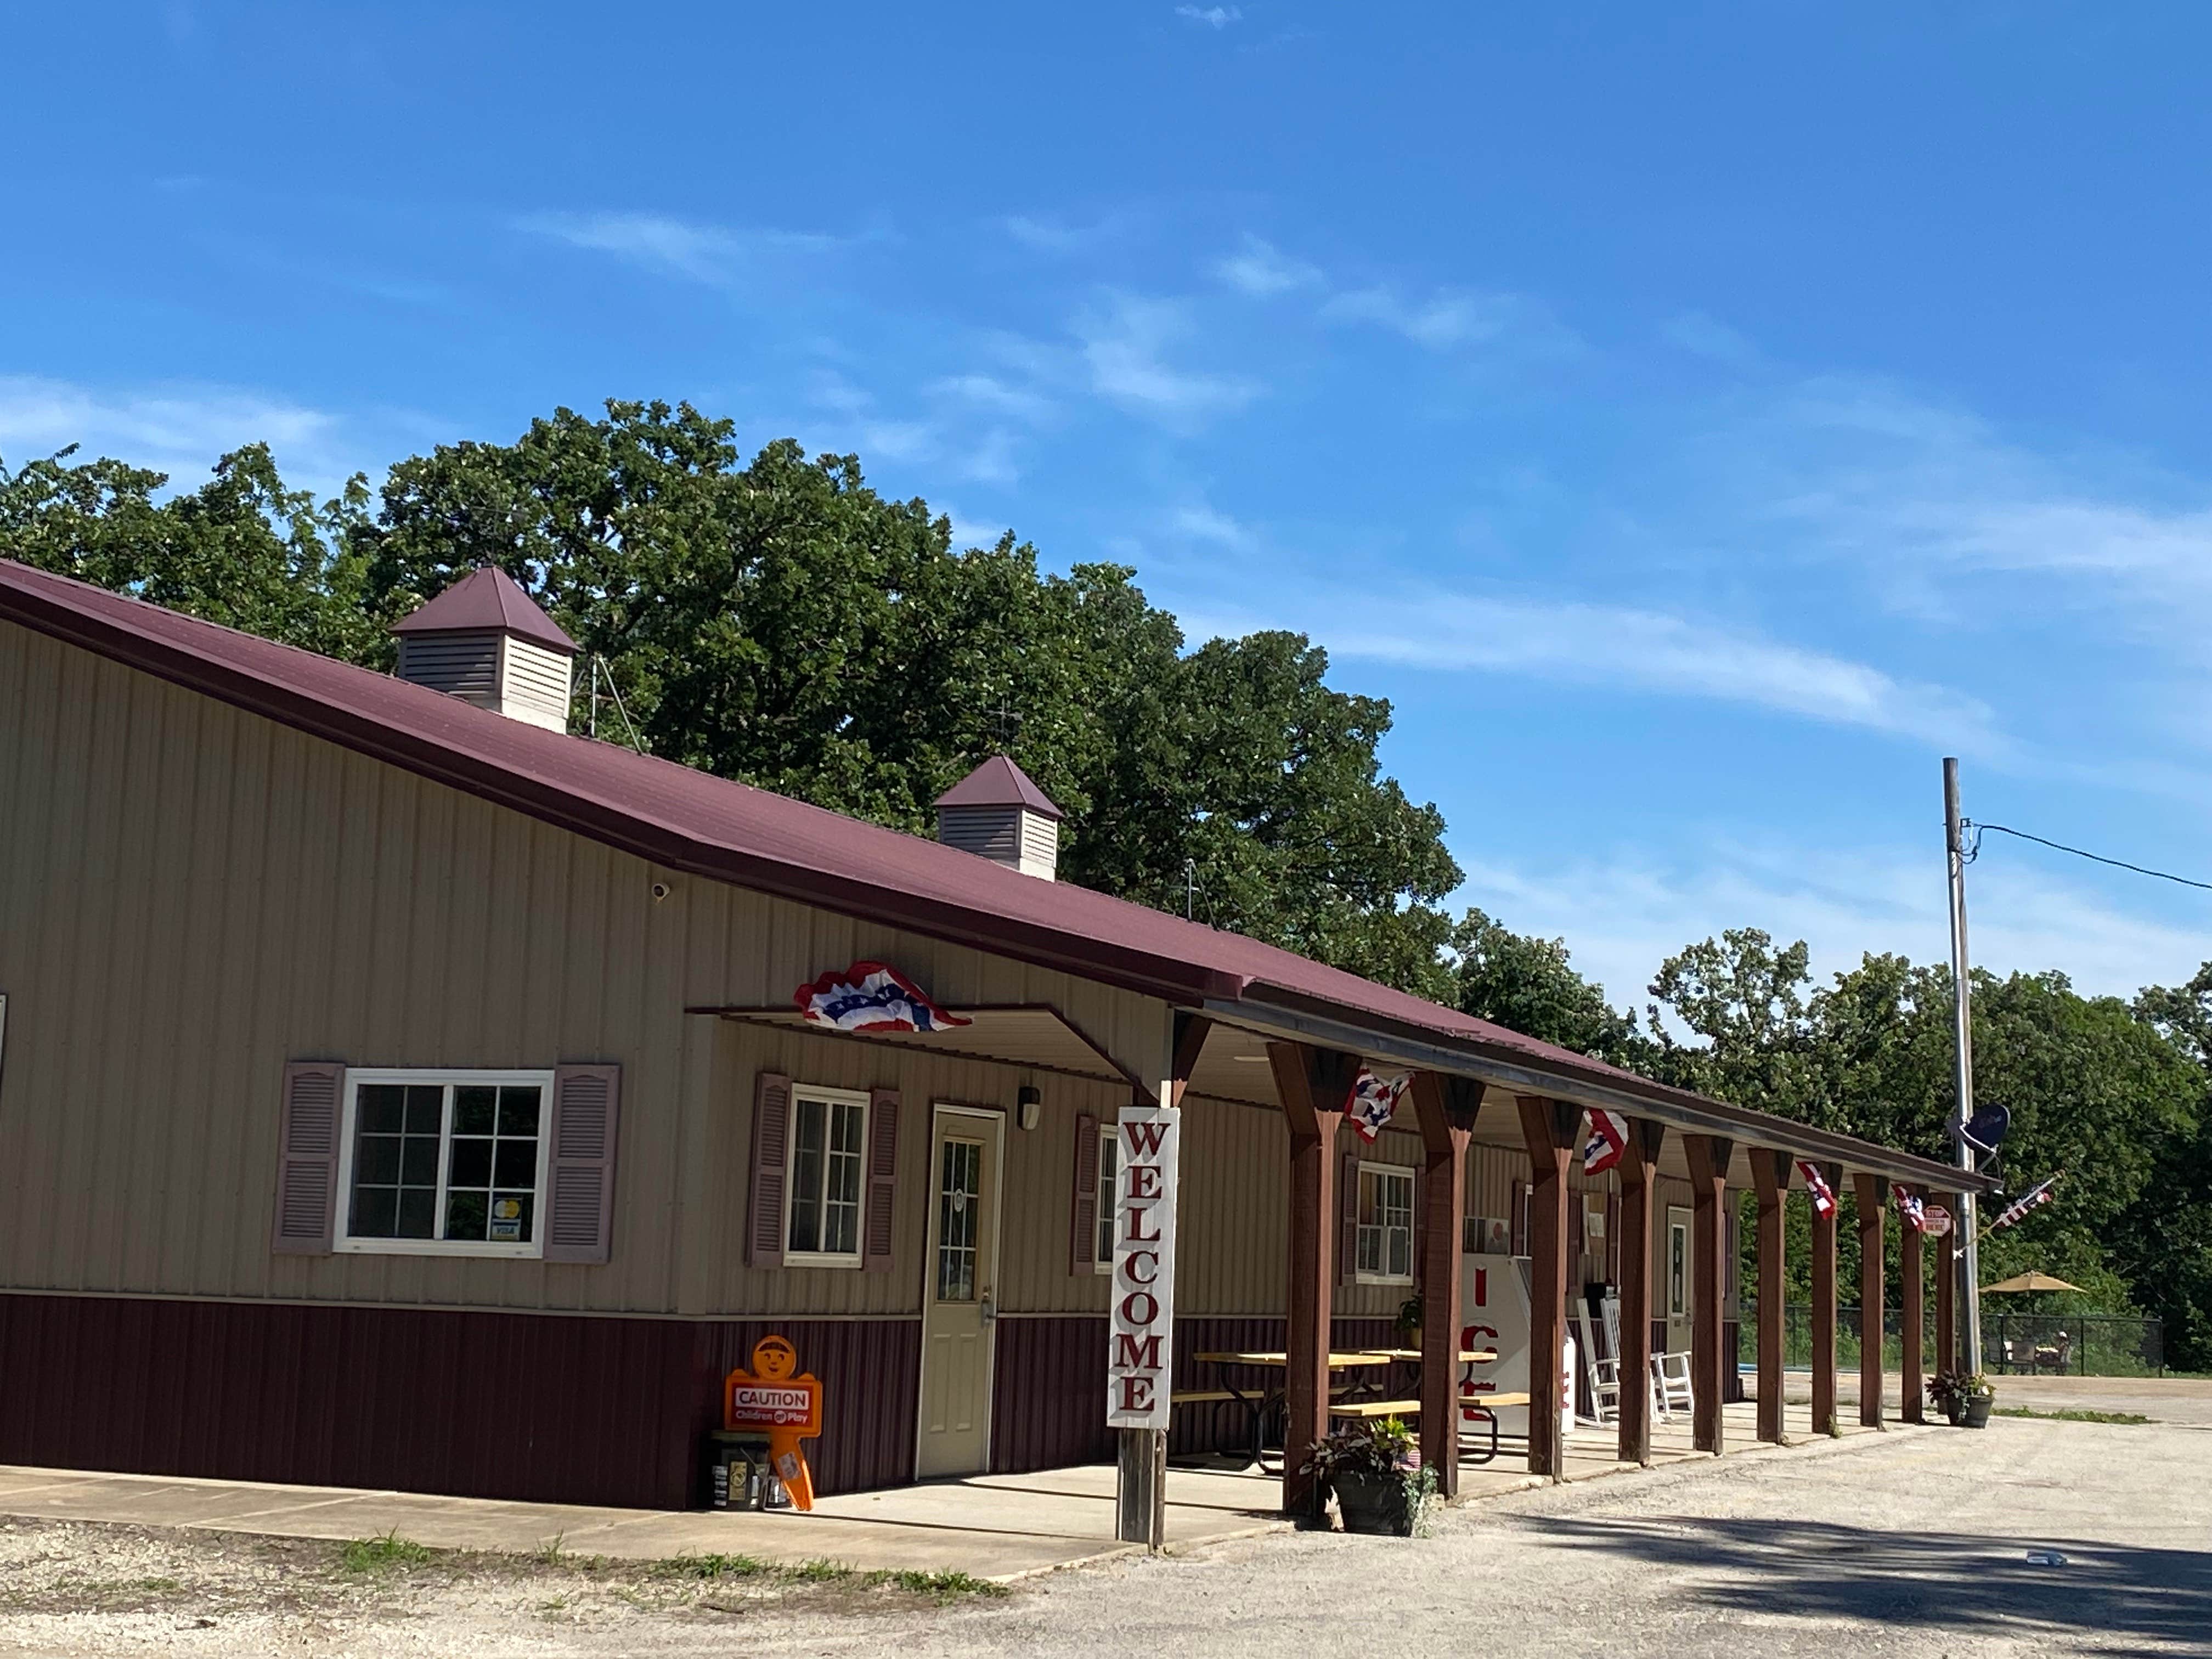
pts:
[1678, 1280]
[959, 1300]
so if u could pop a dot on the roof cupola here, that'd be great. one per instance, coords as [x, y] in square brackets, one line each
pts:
[998, 813]
[485, 640]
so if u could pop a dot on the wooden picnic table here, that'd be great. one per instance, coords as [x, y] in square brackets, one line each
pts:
[1263, 1403]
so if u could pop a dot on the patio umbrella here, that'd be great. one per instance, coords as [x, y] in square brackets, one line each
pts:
[2027, 1281]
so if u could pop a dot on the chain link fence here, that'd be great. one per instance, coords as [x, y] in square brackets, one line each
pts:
[2013, 1344]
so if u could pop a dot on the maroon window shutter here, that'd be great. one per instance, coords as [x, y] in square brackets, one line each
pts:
[1083, 1209]
[1519, 1241]
[307, 1158]
[771, 1149]
[579, 1196]
[1347, 1228]
[883, 1173]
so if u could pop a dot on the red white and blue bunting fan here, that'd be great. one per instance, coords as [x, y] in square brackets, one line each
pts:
[2033, 1199]
[1374, 1101]
[1608, 1139]
[870, 997]
[1911, 1207]
[1824, 1198]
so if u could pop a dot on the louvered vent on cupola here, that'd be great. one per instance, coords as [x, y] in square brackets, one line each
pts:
[484, 641]
[997, 813]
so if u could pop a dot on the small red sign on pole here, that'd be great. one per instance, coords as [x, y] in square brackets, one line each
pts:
[1937, 1221]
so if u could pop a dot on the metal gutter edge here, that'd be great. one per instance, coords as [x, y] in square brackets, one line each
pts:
[1668, 1106]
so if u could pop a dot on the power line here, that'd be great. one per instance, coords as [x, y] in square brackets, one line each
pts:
[2060, 846]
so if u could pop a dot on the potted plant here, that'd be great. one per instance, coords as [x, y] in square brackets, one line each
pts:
[1965, 1400]
[1374, 1466]
[1408, 1322]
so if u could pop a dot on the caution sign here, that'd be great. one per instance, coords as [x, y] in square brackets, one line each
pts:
[773, 1398]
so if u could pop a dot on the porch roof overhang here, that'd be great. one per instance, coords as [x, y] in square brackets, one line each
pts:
[1591, 1084]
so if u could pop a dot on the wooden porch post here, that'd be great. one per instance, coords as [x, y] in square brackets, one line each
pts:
[1639, 1168]
[1769, 1176]
[1912, 1314]
[1868, 1191]
[1824, 1309]
[1548, 1127]
[1312, 1083]
[1709, 1165]
[1947, 1291]
[1446, 1107]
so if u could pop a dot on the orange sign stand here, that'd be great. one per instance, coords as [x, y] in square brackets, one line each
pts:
[788, 1407]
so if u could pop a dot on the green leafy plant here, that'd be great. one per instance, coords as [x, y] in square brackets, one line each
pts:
[384, 1551]
[1951, 1390]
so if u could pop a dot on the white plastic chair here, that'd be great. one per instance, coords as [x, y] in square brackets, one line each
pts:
[1670, 1377]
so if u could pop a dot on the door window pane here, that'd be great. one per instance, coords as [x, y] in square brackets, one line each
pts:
[959, 1194]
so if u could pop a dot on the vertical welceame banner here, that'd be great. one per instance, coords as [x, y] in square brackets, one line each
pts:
[1141, 1340]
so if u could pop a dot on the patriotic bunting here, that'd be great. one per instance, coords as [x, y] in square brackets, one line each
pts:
[1608, 1139]
[1824, 1200]
[1910, 1206]
[870, 997]
[1374, 1101]
[2033, 1199]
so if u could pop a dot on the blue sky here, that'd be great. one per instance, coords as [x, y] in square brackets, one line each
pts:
[1697, 420]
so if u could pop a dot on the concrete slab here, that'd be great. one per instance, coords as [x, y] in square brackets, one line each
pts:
[1002, 1527]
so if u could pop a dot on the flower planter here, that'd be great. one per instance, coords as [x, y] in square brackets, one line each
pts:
[1977, 1415]
[1955, 1412]
[1376, 1503]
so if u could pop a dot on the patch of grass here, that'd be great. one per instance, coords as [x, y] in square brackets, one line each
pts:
[820, 1571]
[711, 1567]
[384, 1551]
[940, 1587]
[2069, 1414]
[548, 1552]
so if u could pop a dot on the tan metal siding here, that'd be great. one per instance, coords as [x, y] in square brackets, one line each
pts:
[191, 895]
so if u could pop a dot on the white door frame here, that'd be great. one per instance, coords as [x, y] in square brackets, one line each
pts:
[939, 1110]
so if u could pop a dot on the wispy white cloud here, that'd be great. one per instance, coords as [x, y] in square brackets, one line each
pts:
[1452, 319]
[1199, 522]
[1056, 237]
[1623, 913]
[1124, 347]
[718, 255]
[1260, 270]
[1214, 17]
[991, 393]
[1702, 335]
[180, 429]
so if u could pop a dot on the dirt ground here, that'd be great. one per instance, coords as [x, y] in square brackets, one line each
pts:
[1905, 1543]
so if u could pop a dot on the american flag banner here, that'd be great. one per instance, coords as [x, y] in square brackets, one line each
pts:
[1374, 1101]
[1824, 1198]
[1912, 1208]
[1608, 1139]
[870, 997]
[2034, 1198]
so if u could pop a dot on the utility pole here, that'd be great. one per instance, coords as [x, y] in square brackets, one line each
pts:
[1969, 1256]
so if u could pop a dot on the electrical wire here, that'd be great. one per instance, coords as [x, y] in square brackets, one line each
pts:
[2060, 846]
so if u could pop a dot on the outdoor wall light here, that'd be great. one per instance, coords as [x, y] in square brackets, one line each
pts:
[1029, 1106]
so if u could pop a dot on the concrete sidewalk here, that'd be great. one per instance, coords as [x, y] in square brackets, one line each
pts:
[1001, 1527]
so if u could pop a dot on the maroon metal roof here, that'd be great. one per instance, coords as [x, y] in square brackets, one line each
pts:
[999, 782]
[691, 820]
[487, 598]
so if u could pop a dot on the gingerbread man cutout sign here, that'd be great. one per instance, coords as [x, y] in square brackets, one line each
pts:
[769, 1397]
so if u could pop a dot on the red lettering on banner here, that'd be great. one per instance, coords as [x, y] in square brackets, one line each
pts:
[1144, 1181]
[1137, 1353]
[1136, 1393]
[1144, 1138]
[1135, 1214]
[1152, 1306]
[1130, 1266]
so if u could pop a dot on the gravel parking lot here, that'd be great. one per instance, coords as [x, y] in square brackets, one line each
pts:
[1910, 1543]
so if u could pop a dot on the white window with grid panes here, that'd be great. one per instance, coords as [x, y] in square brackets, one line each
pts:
[438, 1163]
[1110, 1169]
[1385, 1244]
[829, 1132]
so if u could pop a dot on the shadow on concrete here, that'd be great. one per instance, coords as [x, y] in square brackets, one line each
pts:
[1939, 1581]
